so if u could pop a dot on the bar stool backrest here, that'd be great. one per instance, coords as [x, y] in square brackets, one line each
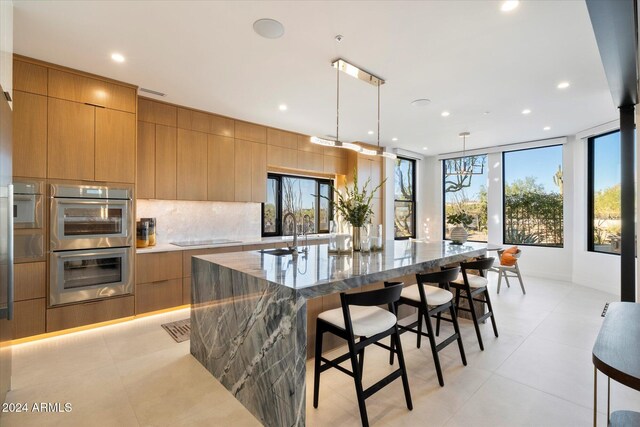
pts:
[439, 277]
[388, 295]
[481, 265]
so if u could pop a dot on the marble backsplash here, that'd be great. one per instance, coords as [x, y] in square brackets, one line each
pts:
[178, 220]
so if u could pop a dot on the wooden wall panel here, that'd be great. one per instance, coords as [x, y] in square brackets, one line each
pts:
[166, 162]
[29, 135]
[146, 161]
[250, 132]
[28, 77]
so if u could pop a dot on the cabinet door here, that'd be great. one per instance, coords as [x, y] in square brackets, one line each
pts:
[242, 170]
[258, 173]
[70, 147]
[282, 157]
[192, 165]
[282, 139]
[310, 161]
[165, 162]
[146, 161]
[29, 135]
[156, 112]
[250, 132]
[115, 146]
[79, 88]
[28, 77]
[221, 168]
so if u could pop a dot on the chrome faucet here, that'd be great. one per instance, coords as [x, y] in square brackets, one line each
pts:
[293, 247]
[306, 219]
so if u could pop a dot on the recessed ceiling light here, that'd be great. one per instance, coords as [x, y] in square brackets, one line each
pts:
[282, 107]
[508, 6]
[563, 85]
[370, 132]
[445, 114]
[546, 128]
[526, 111]
[268, 28]
[425, 148]
[486, 113]
[394, 139]
[422, 102]
[118, 57]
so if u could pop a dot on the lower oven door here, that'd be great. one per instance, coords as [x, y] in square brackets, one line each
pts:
[90, 274]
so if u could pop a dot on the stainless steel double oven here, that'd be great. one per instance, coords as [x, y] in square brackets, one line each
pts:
[91, 242]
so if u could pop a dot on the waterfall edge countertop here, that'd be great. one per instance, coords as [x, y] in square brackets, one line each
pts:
[249, 314]
[317, 272]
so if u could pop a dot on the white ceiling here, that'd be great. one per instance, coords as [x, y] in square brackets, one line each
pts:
[468, 57]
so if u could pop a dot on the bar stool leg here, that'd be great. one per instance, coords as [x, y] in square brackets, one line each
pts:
[499, 279]
[421, 315]
[316, 369]
[487, 298]
[405, 380]
[438, 324]
[434, 350]
[357, 378]
[456, 328]
[474, 317]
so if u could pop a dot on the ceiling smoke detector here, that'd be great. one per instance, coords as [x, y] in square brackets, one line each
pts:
[268, 28]
[339, 38]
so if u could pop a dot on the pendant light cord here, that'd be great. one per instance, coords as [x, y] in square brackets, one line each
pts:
[378, 114]
[338, 102]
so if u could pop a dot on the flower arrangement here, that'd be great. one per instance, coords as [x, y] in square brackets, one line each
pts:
[354, 204]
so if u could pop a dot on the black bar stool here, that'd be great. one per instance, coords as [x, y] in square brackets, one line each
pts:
[359, 316]
[474, 285]
[432, 301]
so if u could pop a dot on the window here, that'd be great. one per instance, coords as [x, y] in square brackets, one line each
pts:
[532, 194]
[604, 220]
[465, 191]
[405, 198]
[301, 196]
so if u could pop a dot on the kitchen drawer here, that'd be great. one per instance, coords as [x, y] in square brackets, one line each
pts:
[158, 295]
[155, 267]
[29, 318]
[30, 281]
[186, 290]
[186, 257]
[79, 88]
[71, 316]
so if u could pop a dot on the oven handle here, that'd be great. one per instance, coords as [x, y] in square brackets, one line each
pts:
[61, 200]
[91, 252]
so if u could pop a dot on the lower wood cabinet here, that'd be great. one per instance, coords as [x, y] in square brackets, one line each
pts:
[158, 295]
[71, 316]
[29, 318]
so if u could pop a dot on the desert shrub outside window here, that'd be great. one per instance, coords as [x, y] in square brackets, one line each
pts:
[465, 194]
[533, 197]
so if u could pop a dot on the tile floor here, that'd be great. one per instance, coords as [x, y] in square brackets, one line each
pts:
[538, 372]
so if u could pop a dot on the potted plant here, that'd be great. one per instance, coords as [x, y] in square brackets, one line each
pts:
[354, 204]
[459, 220]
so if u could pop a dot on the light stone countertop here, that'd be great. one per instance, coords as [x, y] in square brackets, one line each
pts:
[318, 273]
[168, 247]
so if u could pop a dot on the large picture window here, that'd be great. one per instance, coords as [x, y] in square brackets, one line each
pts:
[405, 198]
[533, 202]
[465, 192]
[604, 220]
[301, 196]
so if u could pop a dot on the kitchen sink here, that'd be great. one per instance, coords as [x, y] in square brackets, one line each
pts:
[278, 252]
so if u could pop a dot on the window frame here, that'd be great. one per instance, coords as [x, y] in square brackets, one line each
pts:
[444, 199]
[504, 196]
[413, 201]
[591, 192]
[278, 177]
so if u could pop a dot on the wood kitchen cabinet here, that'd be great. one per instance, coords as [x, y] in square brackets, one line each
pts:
[166, 162]
[258, 173]
[282, 157]
[29, 318]
[29, 77]
[74, 315]
[282, 138]
[146, 161]
[191, 165]
[157, 112]
[115, 137]
[30, 299]
[70, 140]
[242, 172]
[158, 281]
[221, 168]
[29, 135]
[90, 143]
[250, 132]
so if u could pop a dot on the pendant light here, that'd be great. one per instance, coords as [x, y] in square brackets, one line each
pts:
[466, 164]
[380, 151]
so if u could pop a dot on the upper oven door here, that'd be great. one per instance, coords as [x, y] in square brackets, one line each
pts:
[90, 223]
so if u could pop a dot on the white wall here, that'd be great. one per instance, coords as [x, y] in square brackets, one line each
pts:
[572, 262]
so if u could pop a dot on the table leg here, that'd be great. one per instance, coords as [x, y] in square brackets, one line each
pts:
[595, 396]
[608, 400]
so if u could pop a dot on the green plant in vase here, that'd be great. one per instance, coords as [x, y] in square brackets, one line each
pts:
[459, 220]
[354, 205]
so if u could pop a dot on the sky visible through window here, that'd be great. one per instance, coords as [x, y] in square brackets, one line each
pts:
[541, 164]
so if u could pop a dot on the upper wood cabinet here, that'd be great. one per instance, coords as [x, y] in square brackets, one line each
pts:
[193, 120]
[166, 163]
[304, 144]
[258, 173]
[28, 77]
[192, 165]
[282, 157]
[250, 132]
[282, 139]
[115, 146]
[221, 169]
[79, 88]
[157, 112]
[29, 135]
[146, 161]
[242, 172]
[221, 125]
[70, 137]
[310, 161]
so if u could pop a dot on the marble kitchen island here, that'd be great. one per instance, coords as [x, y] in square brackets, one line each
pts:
[249, 313]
